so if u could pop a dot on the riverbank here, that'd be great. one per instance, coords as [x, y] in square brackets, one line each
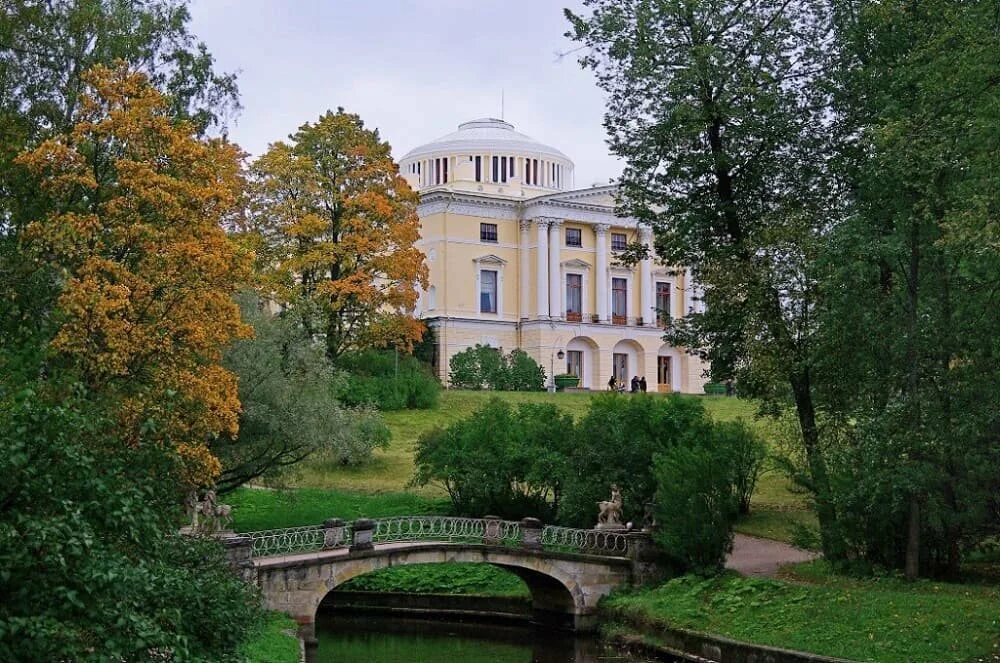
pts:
[810, 609]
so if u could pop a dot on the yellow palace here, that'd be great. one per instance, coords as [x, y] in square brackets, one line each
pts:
[518, 258]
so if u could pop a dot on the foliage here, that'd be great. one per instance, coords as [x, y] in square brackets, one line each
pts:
[256, 509]
[696, 505]
[501, 461]
[290, 411]
[720, 112]
[388, 380]
[747, 456]
[276, 641]
[615, 442]
[91, 565]
[911, 366]
[336, 226]
[860, 620]
[450, 578]
[483, 367]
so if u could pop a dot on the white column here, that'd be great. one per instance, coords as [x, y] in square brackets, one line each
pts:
[688, 288]
[646, 277]
[542, 275]
[525, 269]
[601, 273]
[555, 270]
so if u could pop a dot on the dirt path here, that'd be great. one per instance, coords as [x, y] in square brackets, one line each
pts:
[762, 557]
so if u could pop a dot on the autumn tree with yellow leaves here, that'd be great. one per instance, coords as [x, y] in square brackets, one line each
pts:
[134, 231]
[338, 225]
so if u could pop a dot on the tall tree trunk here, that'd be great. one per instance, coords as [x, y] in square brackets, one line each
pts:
[912, 569]
[802, 392]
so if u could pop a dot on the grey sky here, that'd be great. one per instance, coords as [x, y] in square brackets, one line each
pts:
[413, 69]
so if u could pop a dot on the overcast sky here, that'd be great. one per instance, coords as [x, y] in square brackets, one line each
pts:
[414, 70]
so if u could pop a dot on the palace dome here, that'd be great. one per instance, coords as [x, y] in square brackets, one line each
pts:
[484, 152]
[486, 135]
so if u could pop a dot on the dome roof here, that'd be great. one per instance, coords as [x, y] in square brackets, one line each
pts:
[483, 135]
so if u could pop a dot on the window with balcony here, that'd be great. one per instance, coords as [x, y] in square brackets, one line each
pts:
[487, 291]
[487, 232]
[574, 297]
[663, 303]
[574, 237]
[619, 241]
[619, 301]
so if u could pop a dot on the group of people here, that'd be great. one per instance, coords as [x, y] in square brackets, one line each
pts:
[636, 386]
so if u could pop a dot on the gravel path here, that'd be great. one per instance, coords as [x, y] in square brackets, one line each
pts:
[762, 557]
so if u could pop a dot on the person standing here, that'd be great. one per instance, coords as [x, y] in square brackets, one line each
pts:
[612, 384]
[635, 384]
[642, 384]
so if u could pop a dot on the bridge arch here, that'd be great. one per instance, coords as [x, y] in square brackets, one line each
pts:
[565, 588]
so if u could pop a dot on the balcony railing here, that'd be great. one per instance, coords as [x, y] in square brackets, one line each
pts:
[619, 319]
[574, 316]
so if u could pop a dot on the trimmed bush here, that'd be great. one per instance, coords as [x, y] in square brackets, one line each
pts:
[483, 367]
[382, 379]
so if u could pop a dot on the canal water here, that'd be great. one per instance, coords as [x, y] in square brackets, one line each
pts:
[389, 639]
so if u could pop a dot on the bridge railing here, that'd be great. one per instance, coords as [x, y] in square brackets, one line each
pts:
[363, 534]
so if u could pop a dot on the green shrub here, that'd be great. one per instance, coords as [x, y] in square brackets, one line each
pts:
[615, 443]
[715, 389]
[483, 367]
[388, 381]
[696, 506]
[499, 461]
[748, 454]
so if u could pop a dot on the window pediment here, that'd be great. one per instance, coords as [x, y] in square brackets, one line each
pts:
[489, 259]
[576, 263]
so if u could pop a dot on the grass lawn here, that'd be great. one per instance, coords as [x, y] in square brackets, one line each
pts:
[277, 641]
[883, 620]
[257, 509]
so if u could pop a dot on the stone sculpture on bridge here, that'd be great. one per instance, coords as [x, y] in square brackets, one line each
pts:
[610, 516]
[208, 516]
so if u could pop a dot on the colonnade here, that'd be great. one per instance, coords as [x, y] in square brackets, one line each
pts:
[549, 282]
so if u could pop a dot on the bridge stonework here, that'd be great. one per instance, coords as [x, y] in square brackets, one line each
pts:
[567, 571]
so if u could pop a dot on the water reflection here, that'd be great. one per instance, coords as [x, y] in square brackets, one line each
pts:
[387, 639]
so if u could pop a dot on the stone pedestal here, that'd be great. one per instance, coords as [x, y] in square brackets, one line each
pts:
[531, 534]
[333, 533]
[239, 554]
[362, 534]
[491, 531]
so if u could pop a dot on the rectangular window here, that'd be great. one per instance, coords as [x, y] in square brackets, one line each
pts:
[479, 168]
[619, 301]
[574, 363]
[663, 303]
[444, 162]
[496, 169]
[574, 297]
[619, 367]
[503, 169]
[574, 237]
[487, 291]
[619, 241]
[663, 371]
[534, 171]
[488, 232]
[510, 167]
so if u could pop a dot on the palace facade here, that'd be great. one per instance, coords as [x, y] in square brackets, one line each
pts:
[518, 258]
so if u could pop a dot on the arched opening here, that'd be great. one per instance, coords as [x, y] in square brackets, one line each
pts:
[627, 361]
[581, 360]
[668, 369]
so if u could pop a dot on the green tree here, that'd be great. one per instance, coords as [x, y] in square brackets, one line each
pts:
[913, 361]
[615, 443]
[500, 460]
[92, 567]
[483, 367]
[290, 412]
[719, 111]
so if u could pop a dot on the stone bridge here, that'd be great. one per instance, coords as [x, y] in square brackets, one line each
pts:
[567, 570]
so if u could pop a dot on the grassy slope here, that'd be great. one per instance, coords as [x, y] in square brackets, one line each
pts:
[776, 508]
[883, 620]
[275, 643]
